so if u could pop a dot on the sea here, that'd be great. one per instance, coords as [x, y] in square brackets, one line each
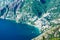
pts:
[10, 30]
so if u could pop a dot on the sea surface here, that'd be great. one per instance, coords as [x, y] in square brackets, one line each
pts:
[9, 30]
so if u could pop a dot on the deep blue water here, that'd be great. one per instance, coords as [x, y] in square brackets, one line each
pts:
[43, 1]
[9, 30]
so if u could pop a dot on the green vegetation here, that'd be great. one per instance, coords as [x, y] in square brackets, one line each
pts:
[55, 39]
